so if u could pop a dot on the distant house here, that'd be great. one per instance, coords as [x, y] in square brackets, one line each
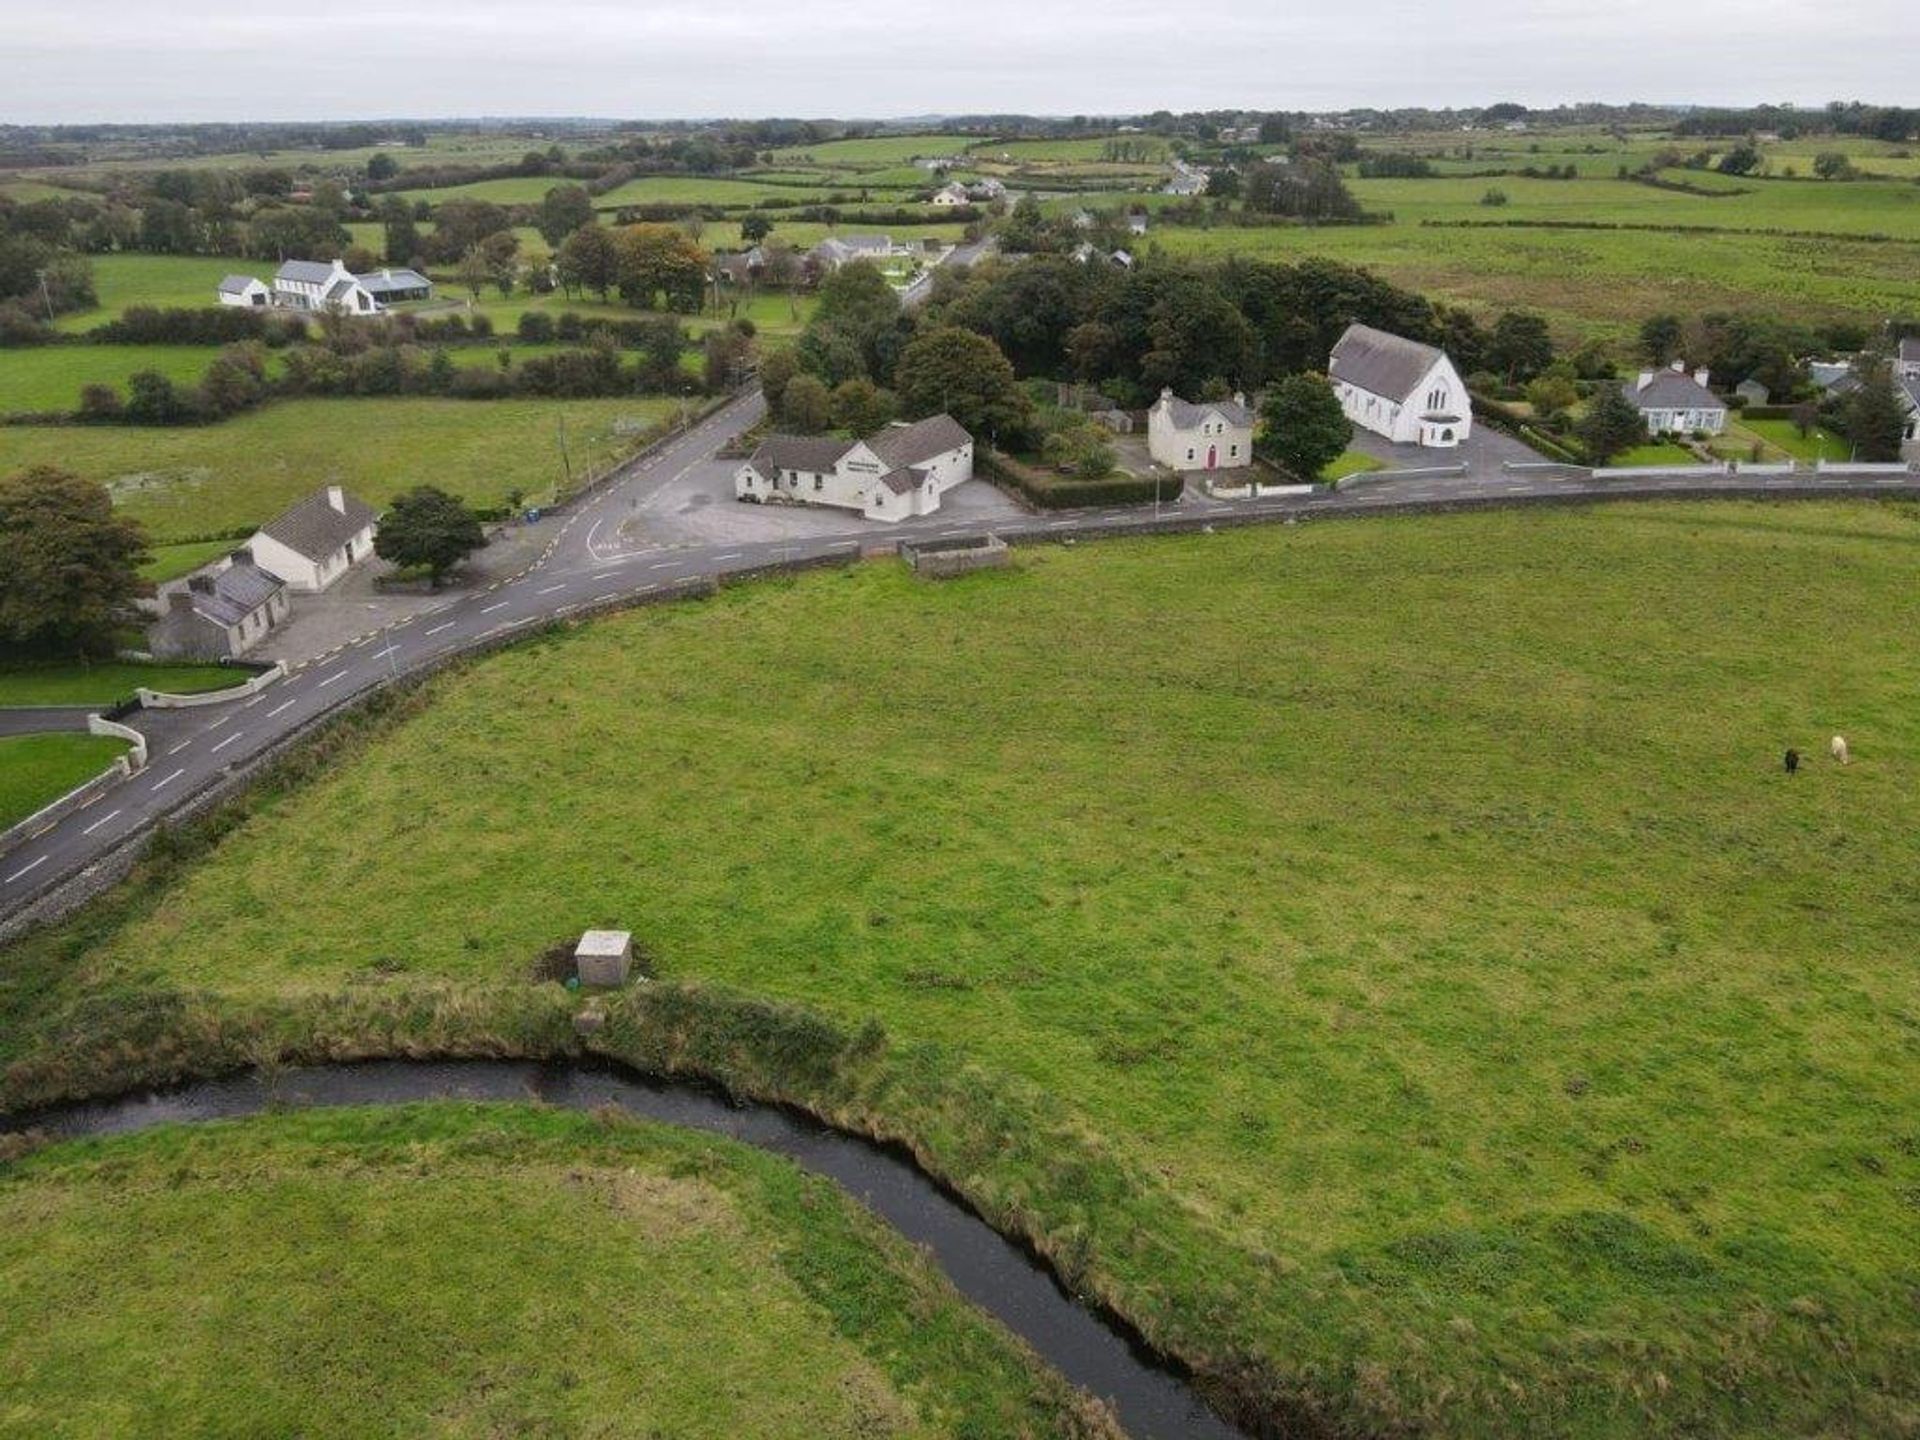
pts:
[987, 189]
[1753, 392]
[1136, 222]
[951, 194]
[1400, 388]
[244, 290]
[900, 471]
[837, 250]
[312, 286]
[1675, 403]
[1906, 360]
[219, 614]
[317, 541]
[1213, 436]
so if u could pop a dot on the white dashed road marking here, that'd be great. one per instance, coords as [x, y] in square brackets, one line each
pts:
[288, 706]
[331, 678]
[497, 605]
[438, 628]
[238, 734]
[98, 823]
[162, 784]
[26, 868]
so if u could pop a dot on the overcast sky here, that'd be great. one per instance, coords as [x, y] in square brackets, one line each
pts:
[129, 60]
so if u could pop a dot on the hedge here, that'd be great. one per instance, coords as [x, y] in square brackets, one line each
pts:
[1049, 491]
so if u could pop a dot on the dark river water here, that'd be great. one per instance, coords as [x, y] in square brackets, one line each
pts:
[995, 1274]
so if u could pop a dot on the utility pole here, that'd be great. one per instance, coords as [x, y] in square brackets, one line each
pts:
[566, 460]
[46, 295]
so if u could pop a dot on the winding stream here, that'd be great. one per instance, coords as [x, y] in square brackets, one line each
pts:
[991, 1271]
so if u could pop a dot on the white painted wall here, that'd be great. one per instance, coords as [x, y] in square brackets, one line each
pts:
[1441, 391]
[1187, 450]
[854, 484]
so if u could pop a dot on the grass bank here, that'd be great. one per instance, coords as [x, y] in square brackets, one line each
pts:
[1386, 962]
[567, 1268]
[105, 681]
[36, 770]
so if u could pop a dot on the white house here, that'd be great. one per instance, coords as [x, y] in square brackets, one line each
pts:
[1213, 436]
[244, 290]
[219, 614]
[1399, 388]
[317, 541]
[310, 285]
[389, 286]
[1675, 403]
[951, 194]
[900, 471]
[1906, 360]
[987, 188]
[837, 250]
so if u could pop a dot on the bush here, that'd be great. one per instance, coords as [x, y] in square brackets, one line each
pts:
[536, 327]
[20, 326]
[211, 325]
[1048, 491]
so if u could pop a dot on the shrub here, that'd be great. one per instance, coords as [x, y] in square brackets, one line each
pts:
[1049, 491]
[536, 327]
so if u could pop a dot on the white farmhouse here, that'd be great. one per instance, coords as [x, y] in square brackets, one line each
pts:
[310, 285]
[219, 613]
[1906, 361]
[902, 470]
[951, 194]
[317, 541]
[1213, 436]
[1672, 402]
[837, 250]
[1399, 388]
[245, 290]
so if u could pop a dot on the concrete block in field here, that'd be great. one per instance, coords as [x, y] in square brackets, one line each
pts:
[604, 957]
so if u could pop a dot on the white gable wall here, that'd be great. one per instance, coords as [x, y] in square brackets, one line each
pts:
[1441, 391]
[854, 484]
[1213, 444]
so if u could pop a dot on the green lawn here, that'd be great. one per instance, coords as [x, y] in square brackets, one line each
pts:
[478, 1270]
[170, 562]
[1655, 452]
[204, 480]
[189, 281]
[1389, 953]
[1352, 462]
[104, 681]
[877, 150]
[1783, 435]
[36, 770]
[49, 377]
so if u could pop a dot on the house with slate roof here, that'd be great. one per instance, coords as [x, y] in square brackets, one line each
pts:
[897, 472]
[1408, 392]
[1906, 360]
[837, 250]
[312, 286]
[219, 613]
[247, 290]
[1675, 403]
[317, 541]
[1213, 436]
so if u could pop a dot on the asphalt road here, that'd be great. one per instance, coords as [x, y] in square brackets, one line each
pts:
[590, 563]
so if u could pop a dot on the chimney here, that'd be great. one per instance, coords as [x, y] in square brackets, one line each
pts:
[1679, 367]
[1167, 393]
[1646, 379]
[1240, 398]
[200, 584]
[1700, 377]
[242, 556]
[337, 498]
[179, 601]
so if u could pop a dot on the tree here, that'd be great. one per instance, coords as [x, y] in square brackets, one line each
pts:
[862, 407]
[1874, 415]
[401, 241]
[1552, 392]
[1303, 428]
[1741, 160]
[1660, 338]
[588, 261]
[382, 167]
[563, 210]
[426, 528]
[1520, 346]
[655, 261]
[776, 373]
[69, 566]
[153, 400]
[805, 405]
[1832, 165]
[1612, 425]
[1080, 448]
[965, 375]
[475, 270]
[755, 228]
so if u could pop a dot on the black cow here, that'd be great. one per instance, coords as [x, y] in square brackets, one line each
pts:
[1793, 762]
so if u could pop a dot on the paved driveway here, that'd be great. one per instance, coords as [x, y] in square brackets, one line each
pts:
[1484, 453]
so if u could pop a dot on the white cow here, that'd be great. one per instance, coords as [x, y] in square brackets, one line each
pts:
[1838, 747]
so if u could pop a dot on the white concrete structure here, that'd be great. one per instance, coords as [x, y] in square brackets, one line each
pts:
[603, 958]
[317, 541]
[1214, 436]
[245, 290]
[1672, 402]
[900, 471]
[1399, 388]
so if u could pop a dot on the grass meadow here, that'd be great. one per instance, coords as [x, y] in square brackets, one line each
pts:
[104, 681]
[1442, 1001]
[562, 1268]
[49, 377]
[36, 770]
[194, 482]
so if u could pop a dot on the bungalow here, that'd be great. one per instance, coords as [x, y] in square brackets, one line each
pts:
[1213, 436]
[317, 541]
[902, 470]
[1675, 403]
[310, 285]
[951, 194]
[1136, 222]
[1399, 388]
[390, 287]
[987, 189]
[837, 250]
[219, 614]
[244, 290]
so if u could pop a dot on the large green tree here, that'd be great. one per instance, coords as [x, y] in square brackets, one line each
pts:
[1519, 347]
[563, 210]
[69, 566]
[964, 374]
[428, 529]
[587, 260]
[655, 262]
[1874, 415]
[1612, 425]
[1303, 428]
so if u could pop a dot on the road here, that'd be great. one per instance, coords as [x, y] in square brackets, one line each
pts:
[593, 562]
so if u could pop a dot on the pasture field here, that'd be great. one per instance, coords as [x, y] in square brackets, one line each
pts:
[102, 682]
[188, 281]
[873, 151]
[170, 562]
[1386, 960]
[1091, 149]
[48, 377]
[563, 1268]
[197, 481]
[36, 770]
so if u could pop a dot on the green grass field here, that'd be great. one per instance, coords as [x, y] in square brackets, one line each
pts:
[197, 481]
[1353, 462]
[170, 562]
[1434, 991]
[874, 150]
[479, 1270]
[49, 377]
[36, 770]
[1655, 452]
[162, 280]
[1783, 436]
[104, 681]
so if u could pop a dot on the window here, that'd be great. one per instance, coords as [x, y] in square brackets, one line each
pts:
[818, 481]
[1234, 452]
[1189, 453]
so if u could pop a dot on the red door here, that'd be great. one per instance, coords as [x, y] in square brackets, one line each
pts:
[1213, 457]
